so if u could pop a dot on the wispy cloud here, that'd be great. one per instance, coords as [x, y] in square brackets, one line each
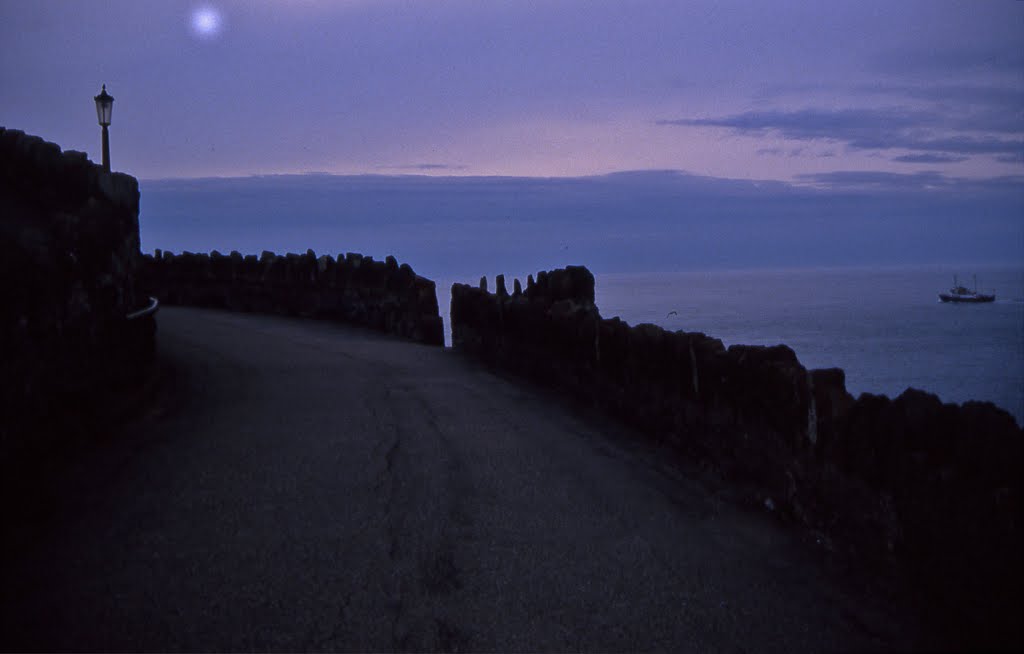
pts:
[990, 97]
[876, 180]
[930, 158]
[872, 129]
[425, 167]
[1006, 58]
[920, 106]
[803, 124]
[955, 144]
[987, 107]
[782, 152]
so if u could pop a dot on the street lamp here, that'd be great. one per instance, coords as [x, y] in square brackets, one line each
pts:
[104, 106]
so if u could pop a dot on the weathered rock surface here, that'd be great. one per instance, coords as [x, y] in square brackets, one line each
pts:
[909, 487]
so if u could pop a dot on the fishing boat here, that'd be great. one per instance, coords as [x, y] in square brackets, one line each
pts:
[963, 294]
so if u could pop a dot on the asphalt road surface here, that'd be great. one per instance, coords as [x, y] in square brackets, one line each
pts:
[305, 486]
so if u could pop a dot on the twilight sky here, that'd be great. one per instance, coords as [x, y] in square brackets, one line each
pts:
[830, 94]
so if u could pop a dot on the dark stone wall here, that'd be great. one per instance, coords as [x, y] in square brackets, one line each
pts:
[353, 288]
[69, 248]
[910, 487]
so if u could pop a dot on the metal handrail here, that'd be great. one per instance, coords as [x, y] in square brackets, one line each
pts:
[154, 304]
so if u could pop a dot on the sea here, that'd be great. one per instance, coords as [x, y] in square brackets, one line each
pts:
[884, 326]
[755, 264]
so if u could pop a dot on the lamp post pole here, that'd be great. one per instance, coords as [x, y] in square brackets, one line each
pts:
[104, 107]
[106, 149]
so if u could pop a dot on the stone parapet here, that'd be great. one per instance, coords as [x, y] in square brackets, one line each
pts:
[69, 248]
[909, 486]
[351, 288]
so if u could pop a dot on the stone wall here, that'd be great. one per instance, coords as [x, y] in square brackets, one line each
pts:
[908, 487]
[352, 288]
[69, 246]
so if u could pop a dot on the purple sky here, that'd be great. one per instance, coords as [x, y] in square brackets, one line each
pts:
[803, 91]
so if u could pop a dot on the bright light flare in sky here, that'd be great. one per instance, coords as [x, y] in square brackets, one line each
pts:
[206, 22]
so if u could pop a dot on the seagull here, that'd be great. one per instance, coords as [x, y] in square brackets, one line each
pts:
[672, 313]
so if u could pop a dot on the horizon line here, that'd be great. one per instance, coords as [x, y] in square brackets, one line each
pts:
[846, 181]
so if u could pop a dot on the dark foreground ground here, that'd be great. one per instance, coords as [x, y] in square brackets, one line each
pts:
[304, 486]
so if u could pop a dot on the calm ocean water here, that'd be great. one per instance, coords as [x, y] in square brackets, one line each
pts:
[885, 327]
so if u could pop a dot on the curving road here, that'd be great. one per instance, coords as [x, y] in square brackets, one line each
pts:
[308, 486]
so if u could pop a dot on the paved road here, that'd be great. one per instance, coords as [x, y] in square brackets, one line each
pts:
[308, 486]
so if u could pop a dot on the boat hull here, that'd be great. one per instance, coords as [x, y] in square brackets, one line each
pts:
[966, 299]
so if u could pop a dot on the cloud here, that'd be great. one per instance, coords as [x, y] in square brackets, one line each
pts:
[1005, 58]
[957, 144]
[803, 124]
[929, 158]
[868, 129]
[883, 181]
[426, 167]
[967, 107]
[875, 180]
[933, 105]
[783, 152]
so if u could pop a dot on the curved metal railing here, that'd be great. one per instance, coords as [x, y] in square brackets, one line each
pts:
[154, 304]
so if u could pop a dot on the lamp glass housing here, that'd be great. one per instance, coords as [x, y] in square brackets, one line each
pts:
[104, 106]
